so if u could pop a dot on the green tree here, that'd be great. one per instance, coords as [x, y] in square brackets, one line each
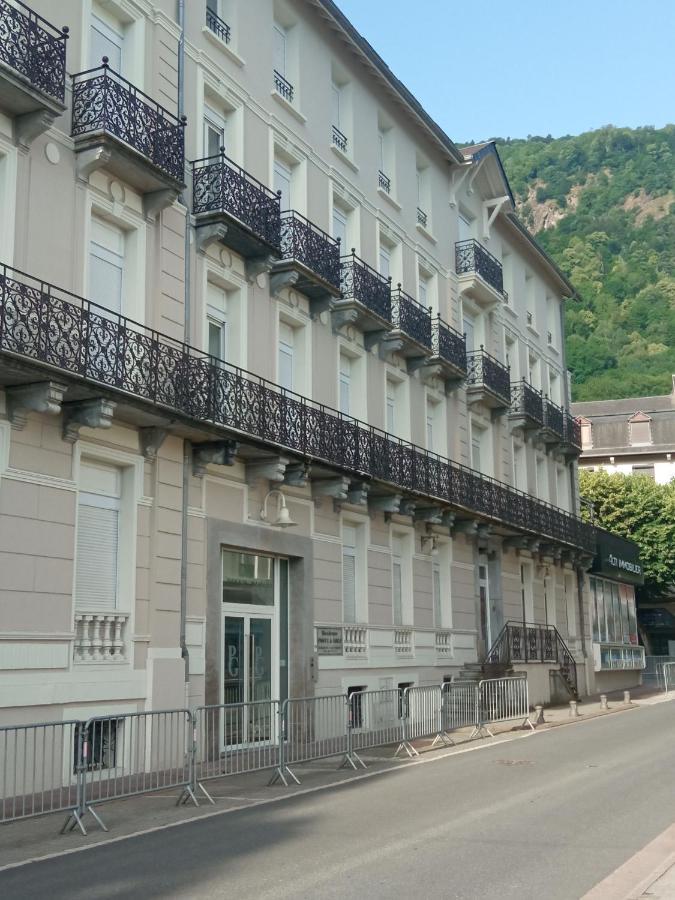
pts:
[635, 507]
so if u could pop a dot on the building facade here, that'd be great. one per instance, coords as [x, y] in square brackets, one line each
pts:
[634, 436]
[283, 398]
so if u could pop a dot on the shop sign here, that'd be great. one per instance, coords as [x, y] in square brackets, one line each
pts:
[329, 641]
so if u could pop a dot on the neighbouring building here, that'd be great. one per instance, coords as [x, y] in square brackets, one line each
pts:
[635, 436]
[283, 397]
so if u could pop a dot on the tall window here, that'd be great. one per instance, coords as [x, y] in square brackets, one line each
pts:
[640, 429]
[519, 467]
[214, 132]
[106, 39]
[385, 261]
[527, 595]
[465, 228]
[345, 384]
[286, 361]
[391, 406]
[542, 479]
[436, 587]
[348, 574]
[216, 321]
[97, 541]
[106, 264]
[280, 49]
[282, 182]
[397, 579]
[586, 434]
[340, 228]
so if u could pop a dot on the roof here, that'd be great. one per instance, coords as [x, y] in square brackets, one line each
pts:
[339, 18]
[625, 407]
[476, 152]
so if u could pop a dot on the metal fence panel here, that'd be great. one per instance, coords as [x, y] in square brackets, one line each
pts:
[502, 699]
[314, 728]
[38, 769]
[234, 738]
[376, 718]
[667, 676]
[653, 670]
[459, 706]
[135, 753]
[422, 705]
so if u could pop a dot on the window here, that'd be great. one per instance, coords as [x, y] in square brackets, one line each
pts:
[534, 371]
[216, 321]
[422, 290]
[481, 448]
[476, 460]
[511, 357]
[435, 430]
[423, 195]
[97, 541]
[286, 367]
[436, 588]
[570, 605]
[646, 469]
[101, 738]
[586, 434]
[397, 581]
[527, 596]
[385, 261]
[385, 151]
[530, 300]
[640, 429]
[519, 467]
[542, 479]
[214, 132]
[562, 494]
[348, 574]
[340, 227]
[345, 384]
[106, 264]
[282, 182]
[280, 49]
[391, 407]
[106, 39]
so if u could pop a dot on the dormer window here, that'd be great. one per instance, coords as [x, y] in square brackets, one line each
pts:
[586, 433]
[639, 430]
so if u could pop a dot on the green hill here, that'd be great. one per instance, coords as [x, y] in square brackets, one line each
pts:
[603, 205]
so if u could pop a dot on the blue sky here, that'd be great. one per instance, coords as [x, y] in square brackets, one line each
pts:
[510, 68]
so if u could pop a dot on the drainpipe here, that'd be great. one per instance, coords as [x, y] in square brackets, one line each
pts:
[573, 489]
[187, 449]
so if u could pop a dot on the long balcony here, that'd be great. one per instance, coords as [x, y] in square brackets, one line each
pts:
[488, 381]
[412, 325]
[554, 422]
[527, 406]
[117, 126]
[310, 259]
[53, 340]
[32, 69]
[237, 208]
[571, 439]
[366, 298]
[480, 273]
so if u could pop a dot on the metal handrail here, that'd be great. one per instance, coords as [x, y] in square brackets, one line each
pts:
[217, 25]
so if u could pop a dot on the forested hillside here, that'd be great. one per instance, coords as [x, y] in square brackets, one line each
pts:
[603, 205]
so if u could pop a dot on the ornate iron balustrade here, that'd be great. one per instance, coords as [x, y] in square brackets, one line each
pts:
[104, 101]
[448, 344]
[482, 368]
[572, 432]
[283, 87]
[34, 48]
[219, 185]
[527, 401]
[359, 281]
[305, 242]
[384, 181]
[411, 317]
[471, 256]
[522, 642]
[339, 139]
[554, 417]
[76, 339]
[421, 217]
[215, 24]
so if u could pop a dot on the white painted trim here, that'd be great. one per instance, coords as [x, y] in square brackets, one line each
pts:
[5, 432]
[8, 191]
[52, 481]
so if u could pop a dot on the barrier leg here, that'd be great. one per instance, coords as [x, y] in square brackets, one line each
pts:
[281, 770]
[351, 757]
[443, 738]
[405, 743]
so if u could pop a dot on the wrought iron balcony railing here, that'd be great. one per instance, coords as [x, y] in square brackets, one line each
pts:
[215, 24]
[304, 242]
[103, 101]
[554, 417]
[421, 217]
[361, 282]
[483, 370]
[411, 317]
[339, 139]
[572, 432]
[522, 642]
[384, 181]
[448, 344]
[527, 402]
[220, 186]
[471, 256]
[34, 48]
[283, 87]
[102, 351]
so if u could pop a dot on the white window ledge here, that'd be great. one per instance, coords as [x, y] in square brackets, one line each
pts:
[344, 157]
[289, 106]
[222, 46]
[389, 199]
[427, 234]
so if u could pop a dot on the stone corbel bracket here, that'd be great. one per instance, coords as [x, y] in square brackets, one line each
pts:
[97, 413]
[337, 488]
[42, 397]
[386, 503]
[215, 453]
[297, 474]
[258, 265]
[269, 468]
[31, 125]
[281, 280]
[151, 439]
[357, 495]
[210, 234]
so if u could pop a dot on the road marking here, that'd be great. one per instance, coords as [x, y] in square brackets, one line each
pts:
[631, 880]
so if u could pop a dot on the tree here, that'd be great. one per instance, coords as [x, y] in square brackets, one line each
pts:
[635, 507]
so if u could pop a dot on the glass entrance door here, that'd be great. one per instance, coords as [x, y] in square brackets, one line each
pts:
[248, 679]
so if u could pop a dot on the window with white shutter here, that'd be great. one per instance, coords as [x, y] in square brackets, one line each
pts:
[216, 321]
[397, 581]
[105, 40]
[348, 574]
[286, 353]
[345, 384]
[391, 407]
[385, 261]
[282, 182]
[97, 542]
[280, 49]
[340, 228]
[106, 264]
[436, 587]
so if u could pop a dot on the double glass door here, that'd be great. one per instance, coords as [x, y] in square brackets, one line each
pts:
[248, 658]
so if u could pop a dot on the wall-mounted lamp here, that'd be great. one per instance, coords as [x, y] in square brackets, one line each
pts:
[282, 518]
[429, 544]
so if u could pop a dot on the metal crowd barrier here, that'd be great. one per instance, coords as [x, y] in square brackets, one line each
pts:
[74, 766]
[501, 700]
[668, 675]
[653, 670]
[38, 769]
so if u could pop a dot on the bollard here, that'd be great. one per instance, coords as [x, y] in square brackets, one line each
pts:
[626, 698]
[574, 712]
[603, 702]
[539, 717]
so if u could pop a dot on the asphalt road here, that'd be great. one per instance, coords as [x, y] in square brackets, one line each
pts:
[545, 817]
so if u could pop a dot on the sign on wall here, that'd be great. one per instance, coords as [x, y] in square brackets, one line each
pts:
[329, 641]
[617, 558]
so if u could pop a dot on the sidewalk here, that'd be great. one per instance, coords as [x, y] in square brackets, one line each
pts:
[28, 839]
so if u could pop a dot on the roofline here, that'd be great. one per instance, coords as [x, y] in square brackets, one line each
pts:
[513, 219]
[491, 147]
[408, 98]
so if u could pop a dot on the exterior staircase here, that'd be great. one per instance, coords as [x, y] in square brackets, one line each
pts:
[480, 671]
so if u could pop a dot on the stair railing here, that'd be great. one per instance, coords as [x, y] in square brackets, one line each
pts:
[524, 642]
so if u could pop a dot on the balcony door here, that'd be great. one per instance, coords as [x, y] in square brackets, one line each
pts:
[106, 39]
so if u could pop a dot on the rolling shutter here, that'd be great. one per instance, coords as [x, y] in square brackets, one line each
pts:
[349, 574]
[97, 554]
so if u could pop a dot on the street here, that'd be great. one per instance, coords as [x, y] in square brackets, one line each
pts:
[547, 816]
